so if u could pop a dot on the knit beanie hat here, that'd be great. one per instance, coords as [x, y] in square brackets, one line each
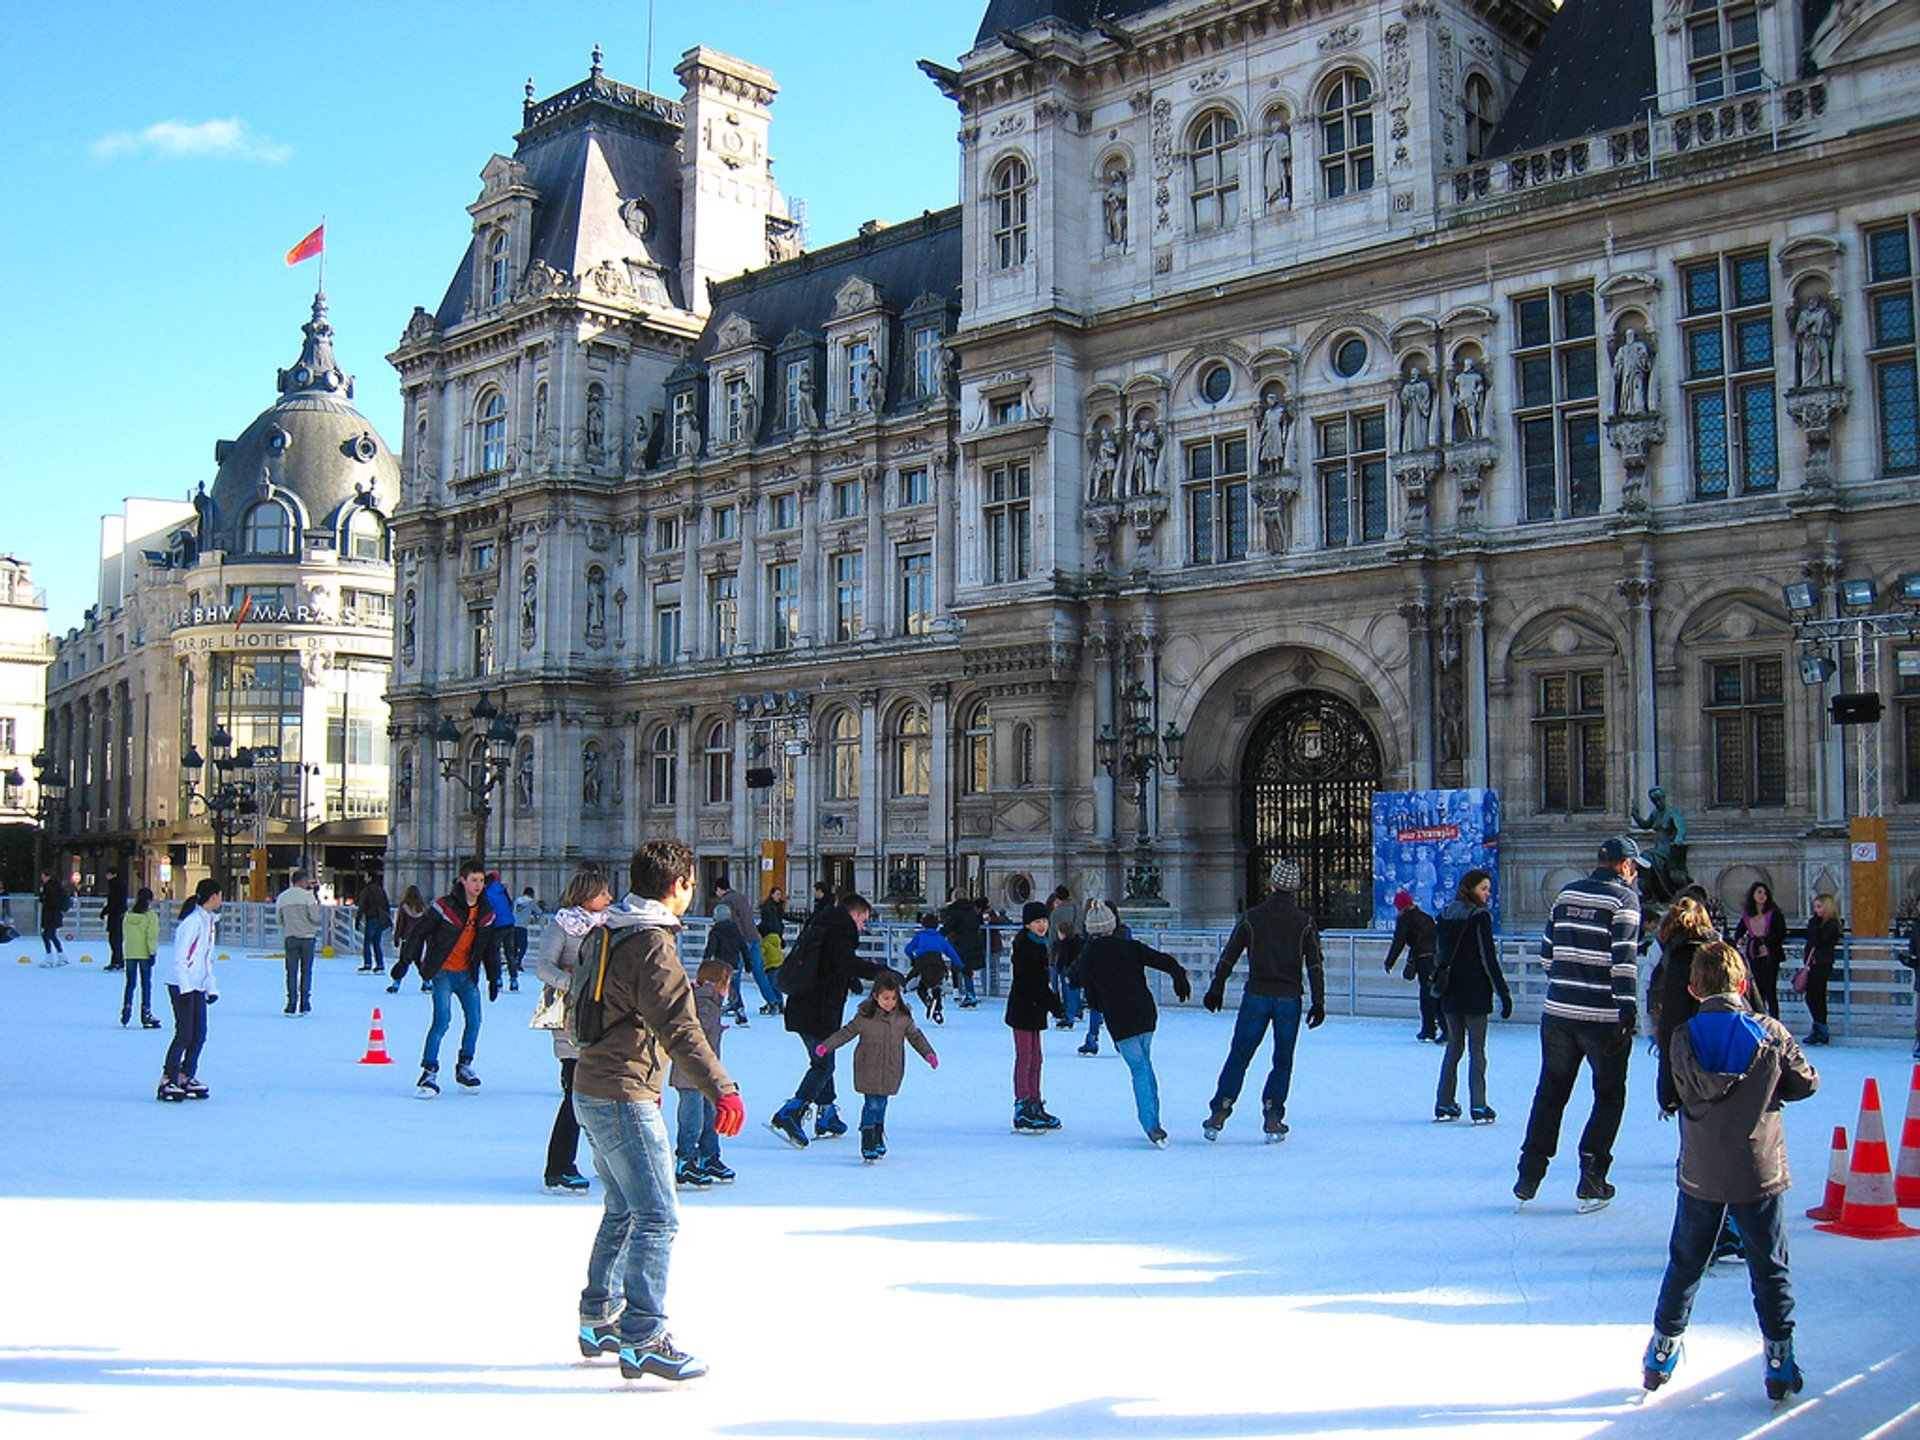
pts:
[1033, 910]
[1403, 901]
[1100, 918]
[1285, 875]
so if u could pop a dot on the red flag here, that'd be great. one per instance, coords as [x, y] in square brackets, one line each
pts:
[309, 247]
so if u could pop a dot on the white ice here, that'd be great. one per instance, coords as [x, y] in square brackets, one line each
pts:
[316, 1251]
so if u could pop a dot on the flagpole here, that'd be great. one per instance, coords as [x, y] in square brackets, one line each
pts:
[323, 255]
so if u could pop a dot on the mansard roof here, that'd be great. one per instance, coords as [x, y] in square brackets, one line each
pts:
[1077, 14]
[1594, 72]
[904, 262]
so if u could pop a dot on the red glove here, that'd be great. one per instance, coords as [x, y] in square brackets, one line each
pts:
[933, 1062]
[730, 1114]
[821, 1051]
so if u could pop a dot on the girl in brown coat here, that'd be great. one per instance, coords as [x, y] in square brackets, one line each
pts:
[884, 1025]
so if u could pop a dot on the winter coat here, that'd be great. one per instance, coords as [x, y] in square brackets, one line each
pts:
[1030, 996]
[1416, 933]
[819, 1010]
[1063, 933]
[1282, 946]
[301, 917]
[190, 965]
[502, 903]
[141, 938]
[1762, 940]
[559, 953]
[706, 1006]
[372, 904]
[650, 1013]
[1676, 1007]
[929, 952]
[1733, 1070]
[526, 911]
[116, 897]
[1113, 971]
[53, 904]
[723, 940]
[1592, 950]
[735, 907]
[880, 1059]
[431, 940]
[403, 922]
[772, 917]
[960, 923]
[1823, 941]
[1463, 936]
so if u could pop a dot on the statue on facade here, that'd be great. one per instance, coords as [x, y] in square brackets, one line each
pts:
[1276, 165]
[873, 386]
[523, 779]
[529, 600]
[686, 433]
[409, 623]
[1270, 447]
[806, 415]
[749, 416]
[1103, 463]
[590, 777]
[1143, 456]
[1816, 326]
[403, 785]
[540, 410]
[596, 604]
[1276, 498]
[1469, 402]
[596, 419]
[1416, 411]
[1632, 375]
[1666, 856]
[1113, 206]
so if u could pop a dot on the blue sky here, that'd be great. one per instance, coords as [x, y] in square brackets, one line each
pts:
[163, 158]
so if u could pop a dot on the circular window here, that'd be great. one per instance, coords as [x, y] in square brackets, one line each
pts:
[1216, 383]
[1349, 357]
[1019, 889]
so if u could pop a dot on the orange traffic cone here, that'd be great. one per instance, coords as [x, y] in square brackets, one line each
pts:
[376, 1044]
[1836, 1196]
[1869, 1212]
[1906, 1175]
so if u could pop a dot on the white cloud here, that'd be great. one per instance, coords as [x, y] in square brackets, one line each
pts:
[181, 140]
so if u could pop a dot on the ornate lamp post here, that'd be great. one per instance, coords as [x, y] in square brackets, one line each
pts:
[1134, 751]
[488, 773]
[52, 798]
[230, 804]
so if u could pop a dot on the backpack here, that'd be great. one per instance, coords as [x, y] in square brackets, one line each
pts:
[800, 971]
[587, 1011]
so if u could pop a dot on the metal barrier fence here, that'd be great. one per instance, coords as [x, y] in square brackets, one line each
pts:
[1872, 994]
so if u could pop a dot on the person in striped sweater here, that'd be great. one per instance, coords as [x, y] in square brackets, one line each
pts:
[1590, 950]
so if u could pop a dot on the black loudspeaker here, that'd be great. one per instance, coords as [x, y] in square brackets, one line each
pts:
[760, 777]
[1863, 708]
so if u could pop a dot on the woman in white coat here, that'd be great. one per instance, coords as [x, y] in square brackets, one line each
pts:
[188, 975]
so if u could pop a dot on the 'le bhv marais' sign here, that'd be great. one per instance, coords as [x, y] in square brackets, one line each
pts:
[251, 625]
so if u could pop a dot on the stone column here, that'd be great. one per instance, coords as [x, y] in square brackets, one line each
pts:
[1830, 749]
[1644, 727]
[747, 614]
[809, 574]
[1418, 613]
[1474, 613]
[946, 536]
[872, 778]
[1105, 787]
[684, 799]
[939, 789]
[692, 624]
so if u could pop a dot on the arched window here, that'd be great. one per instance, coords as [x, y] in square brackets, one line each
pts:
[1007, 199]
[912, 752]
[843, 756]
[1023, 754]
[493, 431]
[267, 530]
[499, 269]
[665, 765]
[1346, 135]
[366, 536]
[976, 769]
[1480, 116]
[1215, 167]
[718, 755]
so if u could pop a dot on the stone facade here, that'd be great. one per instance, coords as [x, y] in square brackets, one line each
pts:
[24, 657]
[1374, 450]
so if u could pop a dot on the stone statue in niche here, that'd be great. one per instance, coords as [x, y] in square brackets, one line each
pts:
[1103, 463]
[1270, 447]
[409, 623]
[1416, 411]
[596, 604]
[540, 410]
[806, 414]
[1113, 206]
[749, 416]
[872, 386]
[1276, 498]
[523, 779]
[1143, 456]
[1816, 326]
[686, 434]
[403, 785]
[1632, 374]
[590, 777]
[640, 433]
[1469, 402]
[529, 600]
[1276, 164]
[596, 418]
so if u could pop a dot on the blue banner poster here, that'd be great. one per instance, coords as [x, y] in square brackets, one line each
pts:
[1425, 840]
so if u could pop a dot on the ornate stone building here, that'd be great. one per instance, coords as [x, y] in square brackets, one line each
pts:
[261, 613]
[1385, 396]
[24, 657]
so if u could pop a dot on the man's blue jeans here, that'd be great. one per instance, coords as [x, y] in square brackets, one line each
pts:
[695, 1137]
[1249, 1027]
[1137, 1051]
[447, 986]
[370, 954]
[627, 1268]
[1696, 1227]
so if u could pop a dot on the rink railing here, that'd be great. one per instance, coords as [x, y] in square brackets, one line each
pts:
[1871, 995]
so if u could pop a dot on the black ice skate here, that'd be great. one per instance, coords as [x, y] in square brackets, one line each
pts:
[660, 1357]
[1656, 1367]
[1216, 1121]
[193, 1088]
[169, 1089]
[1271, 1125]
[870, 1150]
[598, 1340]
[463, 1073]
[1593, 1192]
[428, 1085]
[1784, 1379]
[1444, 1113]
[1482, 1115]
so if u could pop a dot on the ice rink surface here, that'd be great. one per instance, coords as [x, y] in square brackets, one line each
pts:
[314, 1252]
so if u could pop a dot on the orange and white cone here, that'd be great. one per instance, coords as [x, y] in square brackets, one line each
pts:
[1869, 1212]
[376, 1044]
[1906, 1174]
[1836, 1196]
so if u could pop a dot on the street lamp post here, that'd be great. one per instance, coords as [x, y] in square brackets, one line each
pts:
[497, 738]
[231, 802]
[1137, 753]
[51, 784]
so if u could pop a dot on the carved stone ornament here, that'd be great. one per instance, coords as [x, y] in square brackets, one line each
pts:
[1817, 411]
[1340, 37]
[1635, 437]
[638, 217]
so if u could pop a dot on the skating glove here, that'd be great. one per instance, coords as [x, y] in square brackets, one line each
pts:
[1629, 1019]
[821, 1051]
[211, 998]
[1182, 989]
[1215, 997]
[493, 990]
[1406, 971]
[729, 1115]
[1316, 1016]
[1506, 1007]
[933, 1062]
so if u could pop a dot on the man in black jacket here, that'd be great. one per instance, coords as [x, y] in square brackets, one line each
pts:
[815, 1012]
[960, 922]
[1282, 946]
[1414, 932]
[115, 914]
[449, 945]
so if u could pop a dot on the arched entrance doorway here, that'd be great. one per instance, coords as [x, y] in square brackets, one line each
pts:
[1306, 792]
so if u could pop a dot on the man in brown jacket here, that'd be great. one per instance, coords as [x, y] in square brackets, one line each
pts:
[649, 1016]
[1733, 1071]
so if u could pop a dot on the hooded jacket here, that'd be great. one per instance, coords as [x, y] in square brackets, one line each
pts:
[1465, 938]
[1733, 1071]
[880, 1059]
[1113, 970]
[190, 965]
[431, 940]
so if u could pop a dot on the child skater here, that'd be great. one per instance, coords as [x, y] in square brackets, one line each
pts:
[696, 1145]
[1732, 1070]
[885, 1028]
[1030, 999]
[142, 942]
[726, 944]
[930, 953]
[188, 976]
